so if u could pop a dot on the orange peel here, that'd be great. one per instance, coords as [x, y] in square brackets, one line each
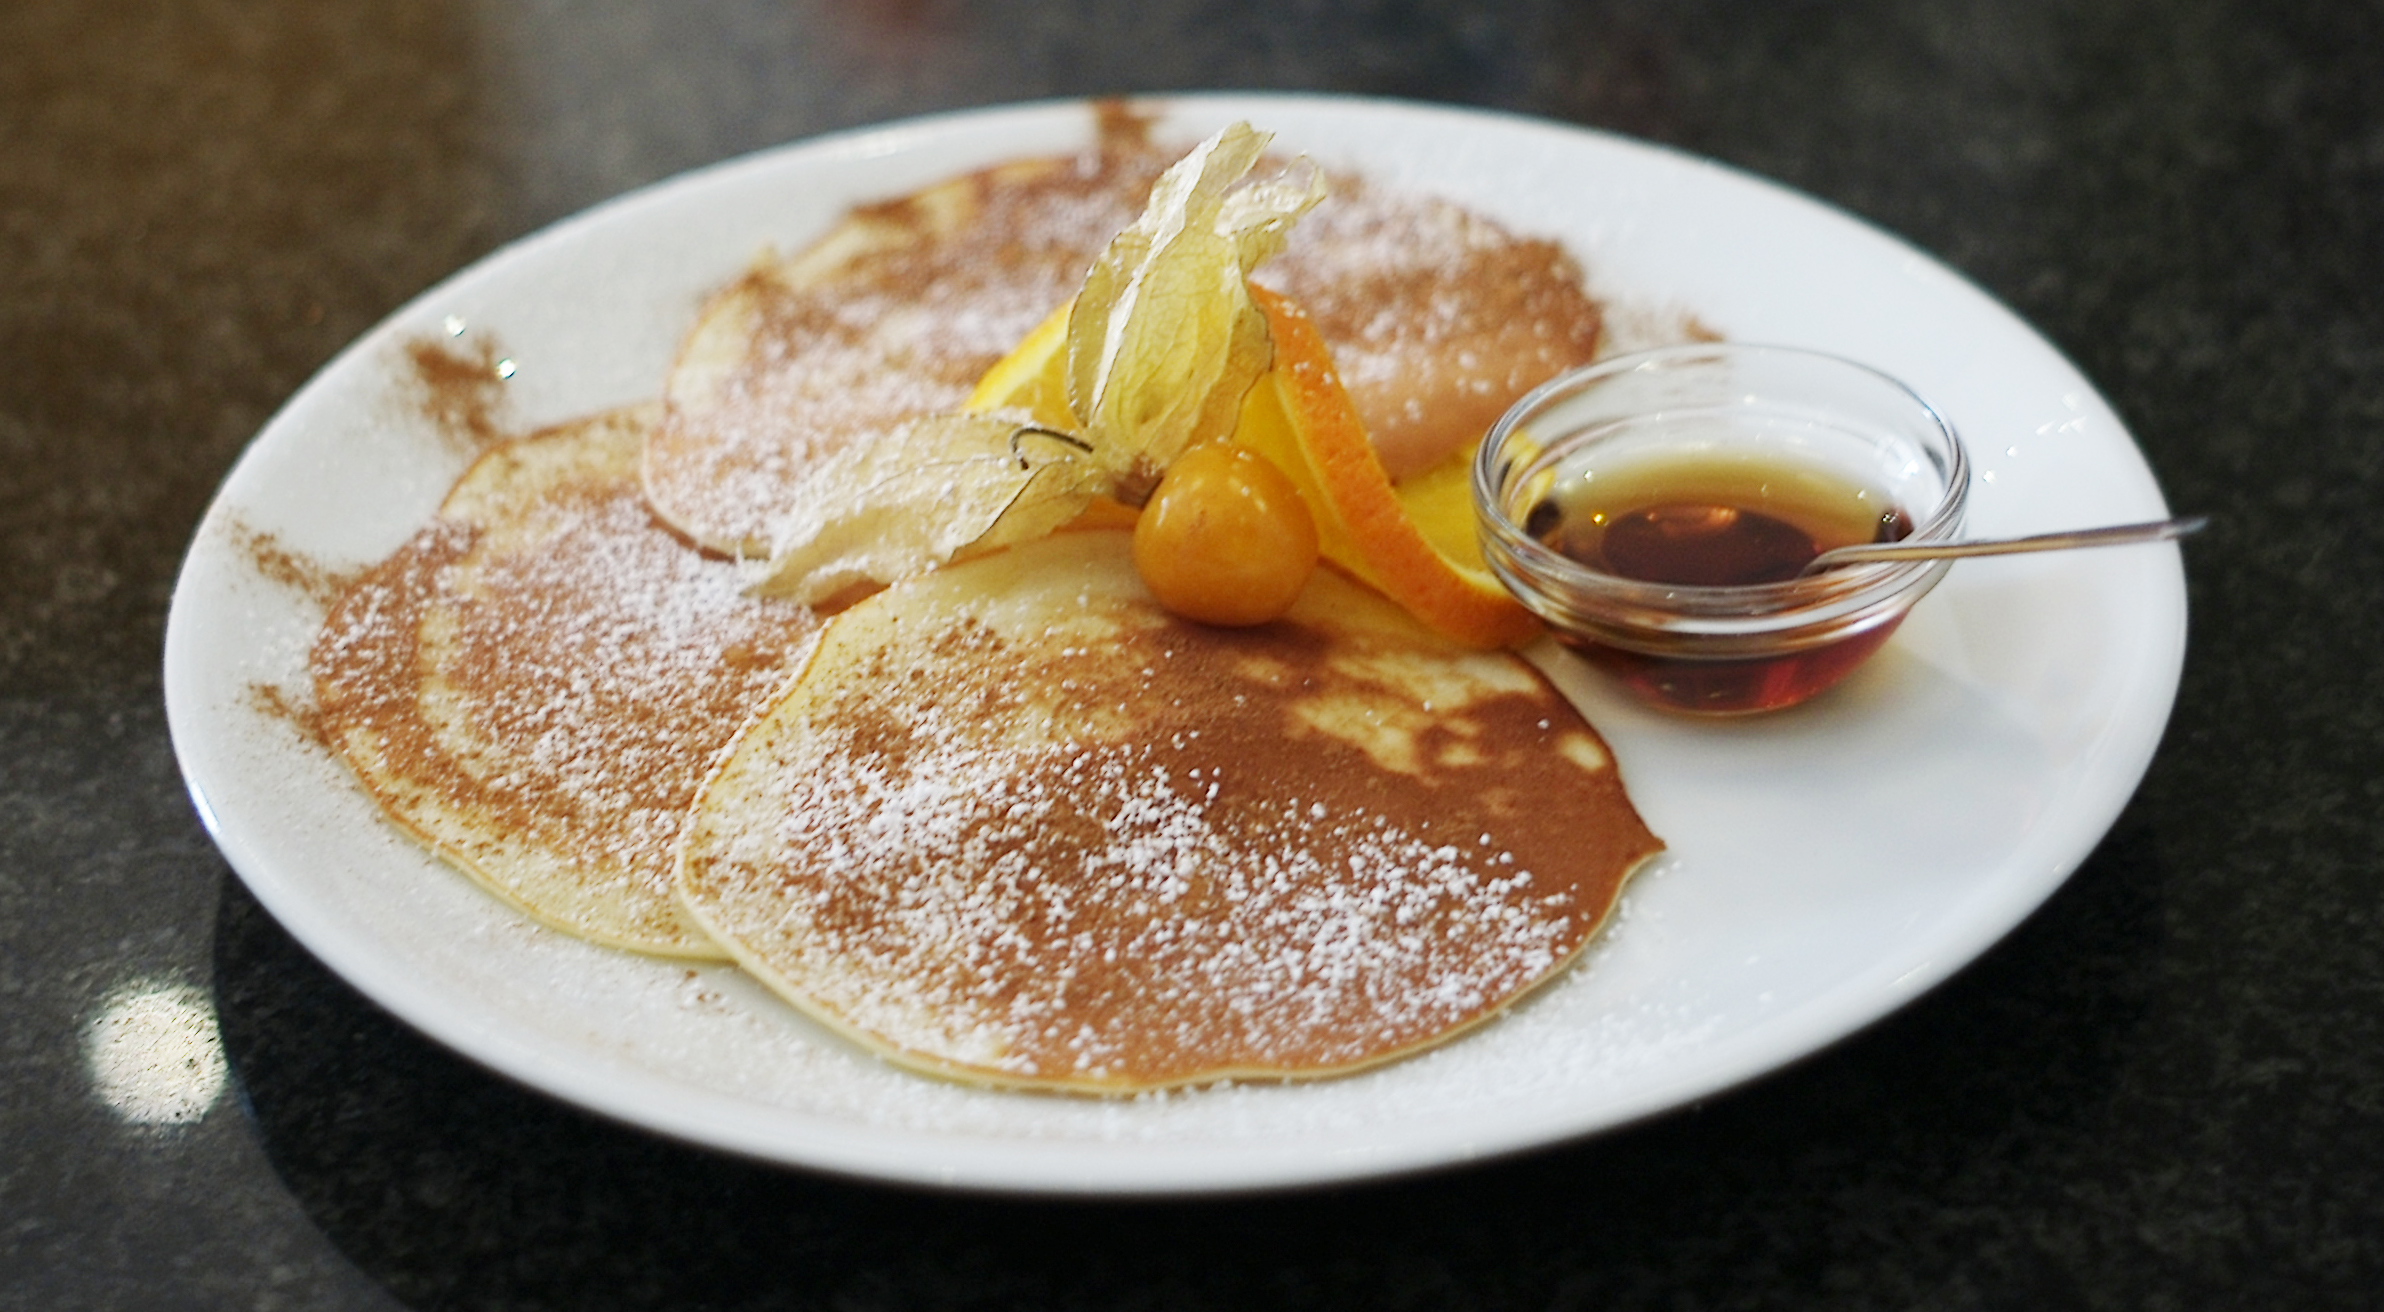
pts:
[1414, 544]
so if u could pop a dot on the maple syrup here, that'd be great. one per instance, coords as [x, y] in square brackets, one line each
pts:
[1718, 521]
[1713, 521]
[1656, 510]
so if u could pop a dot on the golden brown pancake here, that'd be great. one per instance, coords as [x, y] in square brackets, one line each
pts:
[1016, 824]
[536, 684]
[894, 315]
[1438, 319]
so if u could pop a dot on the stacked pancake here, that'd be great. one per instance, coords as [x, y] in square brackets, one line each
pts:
[1009, 822]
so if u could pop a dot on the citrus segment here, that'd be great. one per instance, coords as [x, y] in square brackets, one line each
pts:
[1266, 427]
[1299, 416]
[1439, 502]
[1033, 376]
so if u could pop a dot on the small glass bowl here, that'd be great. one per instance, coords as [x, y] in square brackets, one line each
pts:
[1720, 650]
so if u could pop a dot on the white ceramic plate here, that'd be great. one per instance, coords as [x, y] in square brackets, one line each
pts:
[1827, 864]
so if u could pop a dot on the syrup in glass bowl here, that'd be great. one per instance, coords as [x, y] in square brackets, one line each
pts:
[1656, 511]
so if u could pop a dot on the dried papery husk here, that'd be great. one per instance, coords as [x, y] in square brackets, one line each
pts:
[1163, 343]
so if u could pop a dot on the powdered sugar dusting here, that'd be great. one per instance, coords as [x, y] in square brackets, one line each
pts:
[797, 361]
[959, 848]
[539, 681]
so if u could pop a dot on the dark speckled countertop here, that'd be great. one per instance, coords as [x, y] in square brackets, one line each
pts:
[2165, 1090]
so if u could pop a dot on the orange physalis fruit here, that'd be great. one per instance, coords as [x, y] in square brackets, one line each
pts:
[1226, 537]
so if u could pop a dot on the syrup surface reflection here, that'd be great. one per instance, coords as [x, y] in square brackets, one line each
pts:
[1712, 521]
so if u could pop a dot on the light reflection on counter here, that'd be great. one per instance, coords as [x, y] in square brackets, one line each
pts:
[154, 1055]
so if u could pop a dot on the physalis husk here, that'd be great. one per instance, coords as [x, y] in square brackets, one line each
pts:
[1161, 345]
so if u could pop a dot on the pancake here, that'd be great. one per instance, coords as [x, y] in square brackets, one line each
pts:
[1014, 824]
[1438, 319]
[894, 315]
[536, 684]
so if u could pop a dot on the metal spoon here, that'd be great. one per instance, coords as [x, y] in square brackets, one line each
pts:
[2115, 535]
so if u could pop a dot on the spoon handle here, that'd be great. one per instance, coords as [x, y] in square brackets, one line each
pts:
[2114, 535]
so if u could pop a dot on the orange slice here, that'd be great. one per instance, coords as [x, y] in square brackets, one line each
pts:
[1413, 543]
[1033, 376]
